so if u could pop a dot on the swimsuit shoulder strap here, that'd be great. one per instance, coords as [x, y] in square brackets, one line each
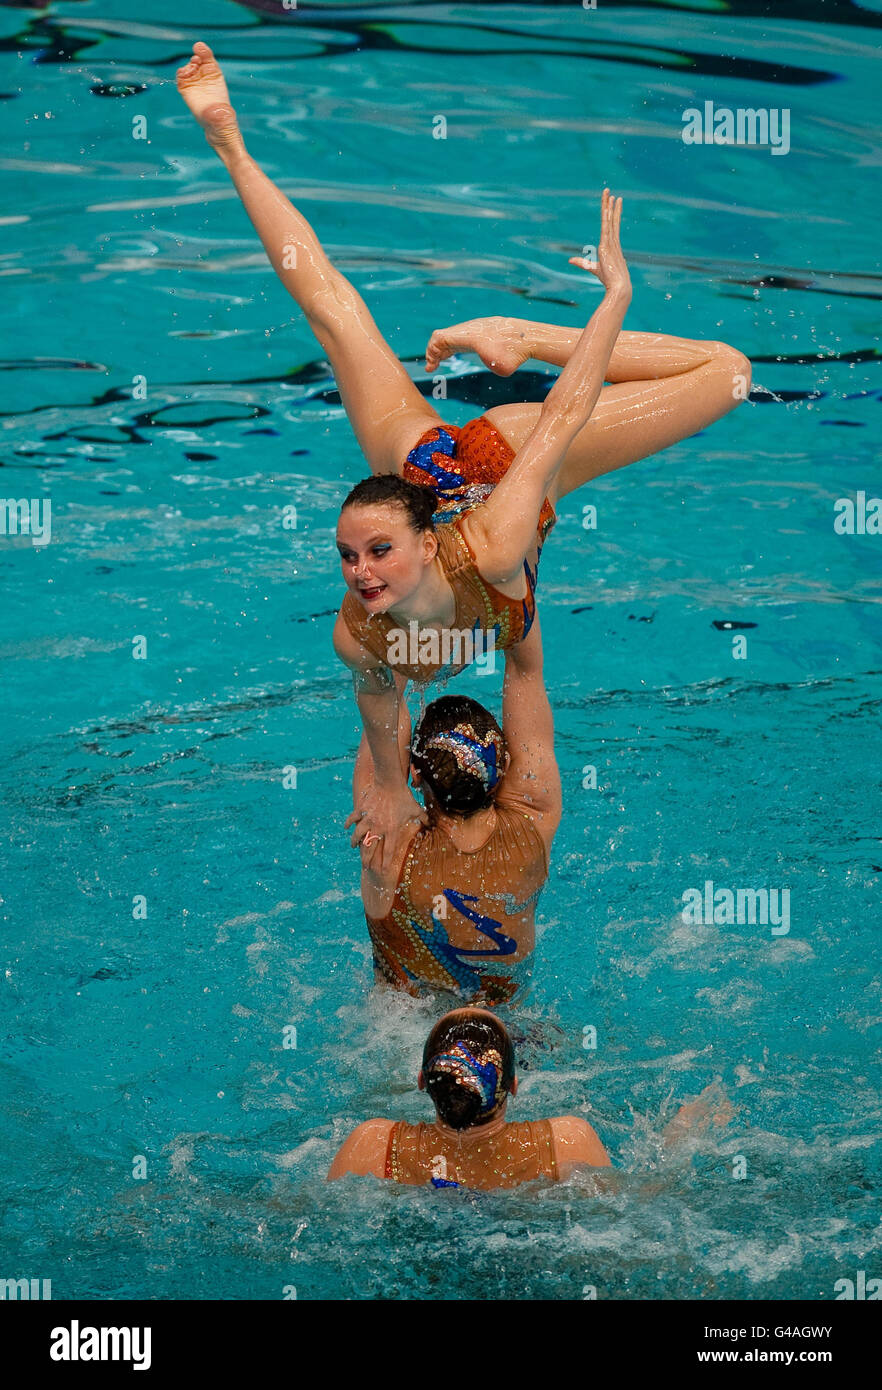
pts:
[543, 1138]
[454, 551]
[391, 1168]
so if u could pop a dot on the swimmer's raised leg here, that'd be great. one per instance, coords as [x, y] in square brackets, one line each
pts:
[505, 344]
[384, 407]
[663, 389]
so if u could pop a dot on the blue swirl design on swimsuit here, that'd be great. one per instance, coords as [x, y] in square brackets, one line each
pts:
[451, 957]
[506, 946]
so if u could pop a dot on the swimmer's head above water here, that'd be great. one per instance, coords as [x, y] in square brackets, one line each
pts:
[386, 540]
[468, 1068]
[458, 755]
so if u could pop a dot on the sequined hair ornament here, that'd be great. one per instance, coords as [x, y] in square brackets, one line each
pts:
[479, 756]
[483, 1074]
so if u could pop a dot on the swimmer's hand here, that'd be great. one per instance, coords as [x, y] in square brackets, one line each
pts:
[711, 1109]
[610, 266]
[380, 818]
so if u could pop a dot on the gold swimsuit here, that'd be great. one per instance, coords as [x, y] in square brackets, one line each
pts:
[462, 466]
[464, 920]
[521, 1152]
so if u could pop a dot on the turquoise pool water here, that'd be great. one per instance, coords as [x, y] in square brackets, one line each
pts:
[162, 779]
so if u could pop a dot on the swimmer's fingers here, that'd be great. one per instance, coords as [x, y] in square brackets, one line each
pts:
[612, 267]
[371, 854]
[583, 262]
[614, 226]
[604, 215]
[362, 828]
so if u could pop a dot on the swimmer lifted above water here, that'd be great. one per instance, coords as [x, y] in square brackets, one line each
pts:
[480, 570]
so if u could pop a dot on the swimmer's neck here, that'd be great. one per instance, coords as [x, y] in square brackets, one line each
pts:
[475, 1134]
[432, 601]
[467, 832]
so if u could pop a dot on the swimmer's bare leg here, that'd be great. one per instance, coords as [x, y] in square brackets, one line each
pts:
[384, 407]
[663, 389]
[504, 344]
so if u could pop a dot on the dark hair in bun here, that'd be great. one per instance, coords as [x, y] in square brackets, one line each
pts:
[419, 502]
[468, 1066]
[458, 748]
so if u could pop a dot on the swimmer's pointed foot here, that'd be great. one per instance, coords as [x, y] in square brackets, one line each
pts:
[500, 343]
[201, 84]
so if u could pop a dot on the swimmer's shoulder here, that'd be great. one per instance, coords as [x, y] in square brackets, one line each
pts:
[363, 1152]
[346, 643]
[576, 1144]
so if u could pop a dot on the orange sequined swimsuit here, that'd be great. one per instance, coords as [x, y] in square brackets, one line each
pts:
[462, 465]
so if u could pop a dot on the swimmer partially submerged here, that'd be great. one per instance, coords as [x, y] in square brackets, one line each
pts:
[468, 1070]
[456, 908]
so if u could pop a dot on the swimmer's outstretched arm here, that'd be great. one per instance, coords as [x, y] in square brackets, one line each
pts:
[386, 801]
[532, 780]
[363, 772]
[503, 528]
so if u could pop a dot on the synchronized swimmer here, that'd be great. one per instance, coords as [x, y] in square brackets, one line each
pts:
[439, 550]
[455, 908]
[468, 1070]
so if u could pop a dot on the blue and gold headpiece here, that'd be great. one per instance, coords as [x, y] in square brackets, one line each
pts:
[483, 1074]
[480, 756]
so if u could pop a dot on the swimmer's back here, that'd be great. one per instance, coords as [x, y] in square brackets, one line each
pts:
[460, 919]
[552, 1149]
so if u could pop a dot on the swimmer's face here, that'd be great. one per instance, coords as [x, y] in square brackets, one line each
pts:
[384, 560]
